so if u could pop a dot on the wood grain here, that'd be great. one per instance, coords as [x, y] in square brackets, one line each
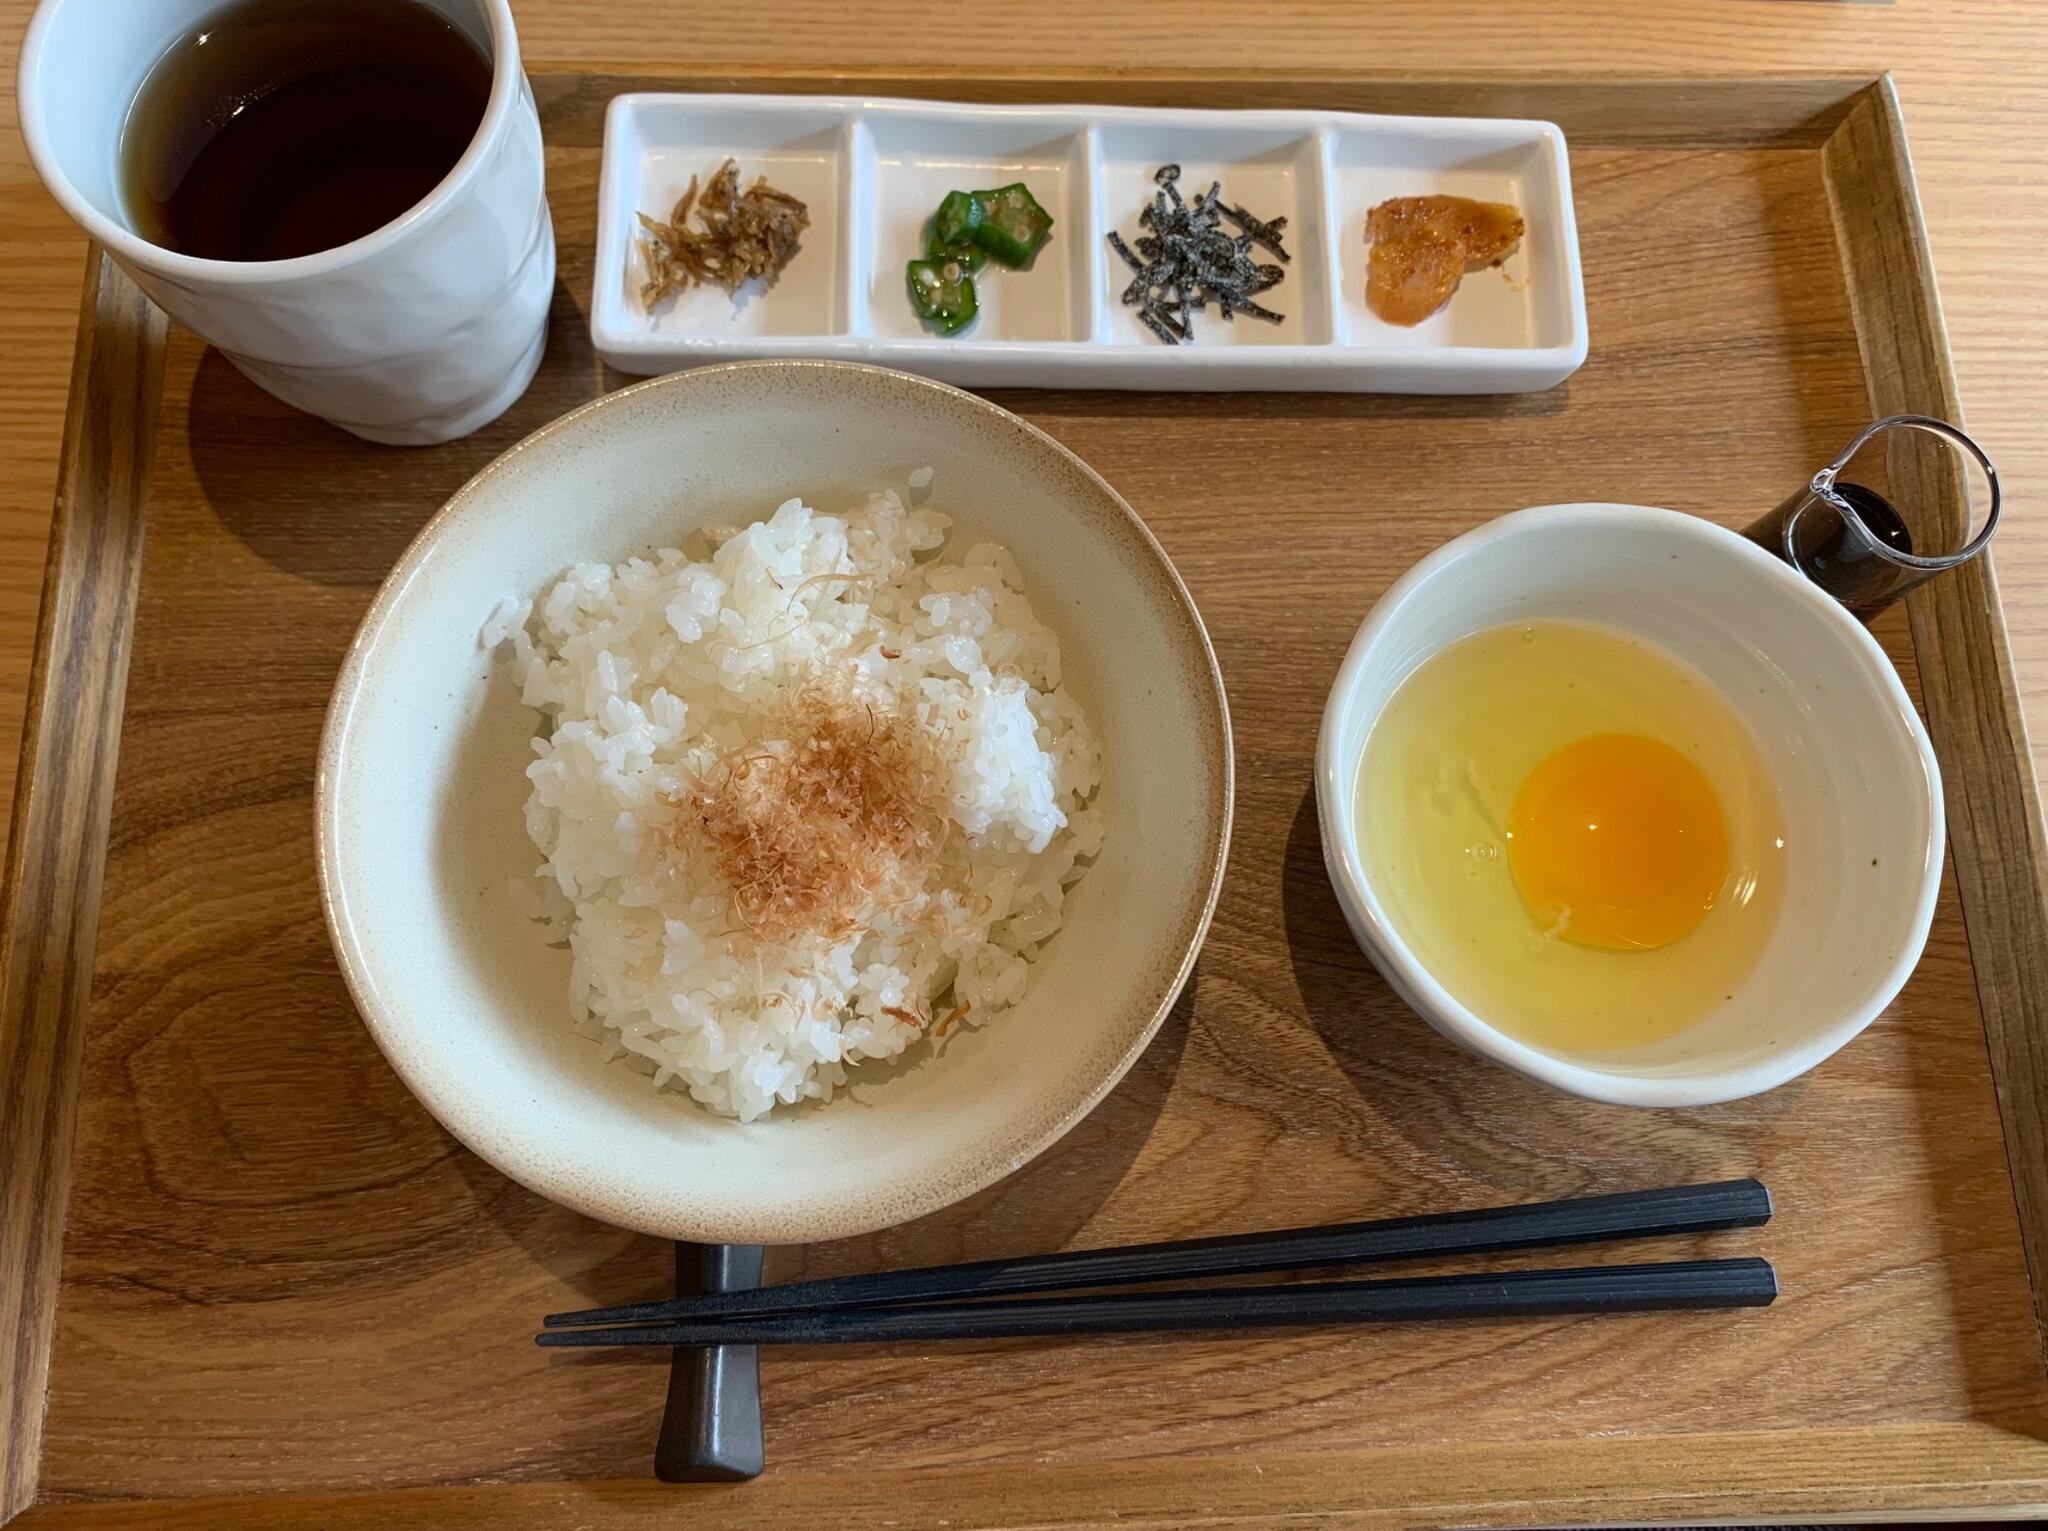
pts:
[1972, 703]
[50, 909]
[1973, 79]
[1673, 111]
[281, 1277]
[1973, 1471]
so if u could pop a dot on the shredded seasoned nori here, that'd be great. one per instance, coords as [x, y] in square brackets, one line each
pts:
[1267, 234]
[1187, 260]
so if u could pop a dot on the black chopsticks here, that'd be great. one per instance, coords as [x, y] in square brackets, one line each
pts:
[951, 1300]
[1492, 1230]
[1679, 1285]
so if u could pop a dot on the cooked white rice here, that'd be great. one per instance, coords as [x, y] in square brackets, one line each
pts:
[651, 673]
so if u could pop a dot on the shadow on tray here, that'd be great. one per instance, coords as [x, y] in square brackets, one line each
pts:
[318, 503]
[1040, 1207]
[1464, 1116]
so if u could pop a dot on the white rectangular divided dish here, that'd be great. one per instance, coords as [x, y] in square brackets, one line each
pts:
[873, 172]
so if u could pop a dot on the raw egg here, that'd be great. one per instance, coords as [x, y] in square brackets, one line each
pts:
[1617, 840]
[1574, 832]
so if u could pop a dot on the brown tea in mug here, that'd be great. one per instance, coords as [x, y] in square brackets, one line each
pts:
[278, 128]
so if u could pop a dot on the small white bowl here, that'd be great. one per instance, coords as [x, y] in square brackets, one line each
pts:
[1851, 762]
[421, 785]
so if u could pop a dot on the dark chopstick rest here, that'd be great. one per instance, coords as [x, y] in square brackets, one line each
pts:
[1579, 1220]
[711, 1424]
[1679, 1285]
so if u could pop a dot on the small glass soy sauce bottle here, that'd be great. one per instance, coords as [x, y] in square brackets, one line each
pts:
[1852, 542]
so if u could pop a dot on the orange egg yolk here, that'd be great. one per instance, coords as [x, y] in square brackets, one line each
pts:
[1618, 841]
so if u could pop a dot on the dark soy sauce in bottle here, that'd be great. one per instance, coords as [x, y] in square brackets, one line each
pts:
[1840, 564]
[279, 128]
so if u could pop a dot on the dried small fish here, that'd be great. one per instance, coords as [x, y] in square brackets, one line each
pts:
[1188, 259]
[742, 235]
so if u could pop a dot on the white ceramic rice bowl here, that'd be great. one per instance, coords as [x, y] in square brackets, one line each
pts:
[421, 785]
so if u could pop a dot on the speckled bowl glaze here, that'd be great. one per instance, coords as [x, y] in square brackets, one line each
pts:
[421, 785]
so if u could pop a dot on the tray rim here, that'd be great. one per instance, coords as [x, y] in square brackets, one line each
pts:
[1999, 845]
[1963, 1471]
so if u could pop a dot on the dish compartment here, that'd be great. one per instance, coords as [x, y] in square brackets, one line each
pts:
[670, 139]
[1271, 172]
[1524, 304]
[911, 158]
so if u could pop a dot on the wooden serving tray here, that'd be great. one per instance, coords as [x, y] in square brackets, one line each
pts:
[247, 1282]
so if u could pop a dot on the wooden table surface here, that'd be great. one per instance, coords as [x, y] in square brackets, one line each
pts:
[1973, 75]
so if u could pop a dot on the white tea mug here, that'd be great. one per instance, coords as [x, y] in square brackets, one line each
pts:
[418, 332]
